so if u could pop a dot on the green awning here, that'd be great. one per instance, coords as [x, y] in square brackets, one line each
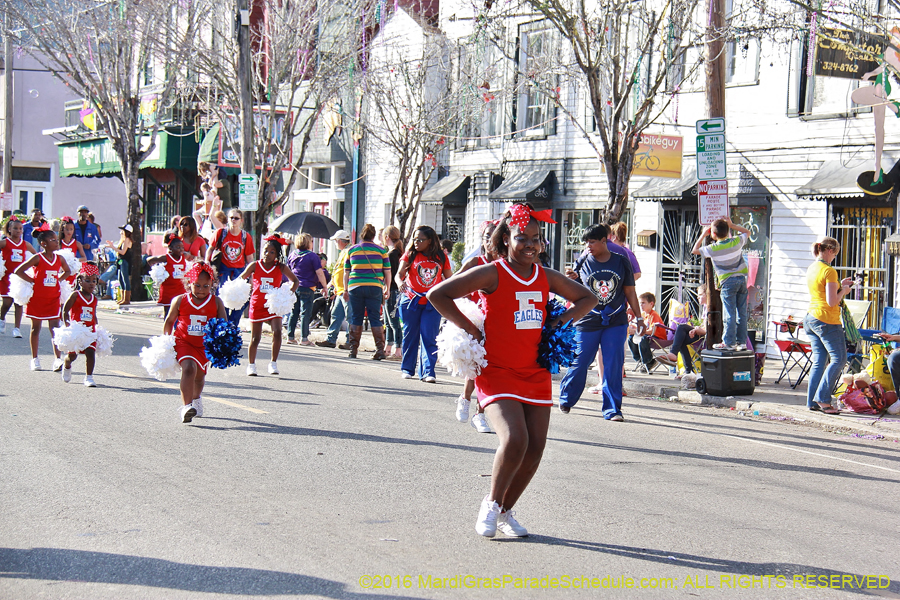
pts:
[92, 158]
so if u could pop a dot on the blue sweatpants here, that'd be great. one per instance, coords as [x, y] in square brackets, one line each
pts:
[611, 341]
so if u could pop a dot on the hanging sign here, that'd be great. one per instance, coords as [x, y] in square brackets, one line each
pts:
[248, 192]
[846, 54]
[713, 197]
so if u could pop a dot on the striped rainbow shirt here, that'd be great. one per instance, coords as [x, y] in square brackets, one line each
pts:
[366, 262]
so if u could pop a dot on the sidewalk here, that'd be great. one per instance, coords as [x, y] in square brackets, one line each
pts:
[776, 400]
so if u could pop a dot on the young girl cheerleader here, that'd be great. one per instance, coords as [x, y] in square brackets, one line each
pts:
[187, 316]
[67, 241]
[44, 303]
[488, 255]
[514, 390]
[81, 306]
[265, 274]
[176, 265]
[12, 249]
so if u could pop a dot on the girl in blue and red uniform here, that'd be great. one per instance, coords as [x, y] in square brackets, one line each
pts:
[265, 274]
[514, 390]
[12, 250]
[176, 266]
[81, 306]
[44, 304]
[188, 315]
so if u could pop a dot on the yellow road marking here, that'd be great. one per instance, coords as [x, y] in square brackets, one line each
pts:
[210, 398]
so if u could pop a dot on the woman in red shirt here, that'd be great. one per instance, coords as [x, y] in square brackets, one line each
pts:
[237, 252]
[194, 244]
[422, 267]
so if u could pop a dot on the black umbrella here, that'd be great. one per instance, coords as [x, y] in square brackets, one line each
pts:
[316, 225]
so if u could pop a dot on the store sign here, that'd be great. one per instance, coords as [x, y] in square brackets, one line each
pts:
[659, 156]
[713, 197]
[846, 54]
[230, 138]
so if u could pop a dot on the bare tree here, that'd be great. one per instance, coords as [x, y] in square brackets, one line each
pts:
[411, 111]
[100, 50]
[300, 51]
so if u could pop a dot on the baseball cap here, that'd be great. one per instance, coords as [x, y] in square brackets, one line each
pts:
[127, 228]
[83, 207]
[340, 234]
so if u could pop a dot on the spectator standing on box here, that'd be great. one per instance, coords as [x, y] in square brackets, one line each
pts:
[823, 325]
[727, 256]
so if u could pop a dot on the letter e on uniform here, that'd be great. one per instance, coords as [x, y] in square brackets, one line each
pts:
[196, 325]
[528, 316]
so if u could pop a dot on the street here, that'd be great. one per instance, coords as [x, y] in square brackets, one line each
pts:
[338, 479]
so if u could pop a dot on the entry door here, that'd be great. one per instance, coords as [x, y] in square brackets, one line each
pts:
[681, 271]
[30, 197]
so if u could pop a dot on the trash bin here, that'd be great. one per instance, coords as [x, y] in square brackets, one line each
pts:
[727, 372]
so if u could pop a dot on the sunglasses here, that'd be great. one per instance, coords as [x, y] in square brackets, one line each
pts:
[235, 218]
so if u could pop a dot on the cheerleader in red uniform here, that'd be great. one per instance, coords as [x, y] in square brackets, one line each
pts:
[81, 306]
[267, 273]
[176, 265]
[12, 250]
[188, 315]
[514, 390]
[67, 241]
[44, 303]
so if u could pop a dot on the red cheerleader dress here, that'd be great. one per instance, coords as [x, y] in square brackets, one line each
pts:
[70, 246]
[514, 319]
[44, 303]
[13, 255]
[173, 286]
[84, 310]
[263, 281]
[189, 329]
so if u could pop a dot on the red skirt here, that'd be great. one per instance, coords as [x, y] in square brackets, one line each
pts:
[44, 306]
[185, 351]
[533, 386]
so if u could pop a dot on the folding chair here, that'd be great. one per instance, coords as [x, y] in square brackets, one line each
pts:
[794, 353]
[859, 310]
[660, 343]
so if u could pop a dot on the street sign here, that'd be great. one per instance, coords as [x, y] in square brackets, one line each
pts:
[248, 192]
[711, 156]
[7, 202]
[713, 197]
[716, 125]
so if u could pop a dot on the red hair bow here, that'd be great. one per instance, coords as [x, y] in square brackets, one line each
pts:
[45, 226]
[67, 219]
[521, 215]
[89, 269]
[194, 272]
[277, 238]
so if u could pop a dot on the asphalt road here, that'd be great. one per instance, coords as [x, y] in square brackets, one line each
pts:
[338, 479]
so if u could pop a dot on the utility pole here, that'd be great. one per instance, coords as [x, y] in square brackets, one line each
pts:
[715, 107]
[248, 164]
[7, 108]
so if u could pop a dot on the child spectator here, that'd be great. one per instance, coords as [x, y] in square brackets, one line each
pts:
[726, 254]
[641, 351]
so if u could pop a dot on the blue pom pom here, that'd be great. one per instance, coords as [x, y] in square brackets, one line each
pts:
[557, 348]
[222, 342]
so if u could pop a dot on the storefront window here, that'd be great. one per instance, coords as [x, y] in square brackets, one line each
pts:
[574, 222]
[756, 219]
[161, 206]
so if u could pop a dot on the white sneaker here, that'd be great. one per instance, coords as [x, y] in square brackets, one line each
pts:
[35, 364]
[273, 368]
[486, 524]
[429, 379]
[508, 525]
[479, 422]
[16, 332]
[58, 365]
[89, 381]
[462, 409]
[597, 389]
[67, 375]
[188, 412]
[251, 370]
[406, 375]
[2, 327]
[198, 405]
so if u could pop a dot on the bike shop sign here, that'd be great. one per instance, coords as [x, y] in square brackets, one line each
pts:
[713, 196]
[658, 155]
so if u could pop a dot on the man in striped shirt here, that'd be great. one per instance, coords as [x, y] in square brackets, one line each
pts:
[727, 256]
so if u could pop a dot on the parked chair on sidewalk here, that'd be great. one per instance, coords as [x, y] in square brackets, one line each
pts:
[794, 352]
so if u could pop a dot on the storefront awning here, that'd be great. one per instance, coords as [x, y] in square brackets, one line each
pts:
[526, 185]
[451, 187]
[96, 158]
[658, 189]
[837, 179]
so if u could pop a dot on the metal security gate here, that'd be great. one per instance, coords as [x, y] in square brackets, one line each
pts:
[861, 231]
[680, 271]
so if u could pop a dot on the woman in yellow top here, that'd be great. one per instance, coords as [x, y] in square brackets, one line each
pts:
[823, 325]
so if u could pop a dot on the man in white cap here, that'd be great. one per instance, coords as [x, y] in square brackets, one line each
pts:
[339, 310]
[86, 232]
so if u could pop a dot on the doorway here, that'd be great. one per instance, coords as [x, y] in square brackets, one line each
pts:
[32, 196]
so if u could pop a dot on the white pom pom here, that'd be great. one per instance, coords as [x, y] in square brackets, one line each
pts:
[158, 273]
[459, 352]
[160, 359]
[280, 300]
[65, 290]
[105, 342]
[235, 293]
[472, 312]
[2, 268]
[69, 256]
[20, 290]
[73, 338]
